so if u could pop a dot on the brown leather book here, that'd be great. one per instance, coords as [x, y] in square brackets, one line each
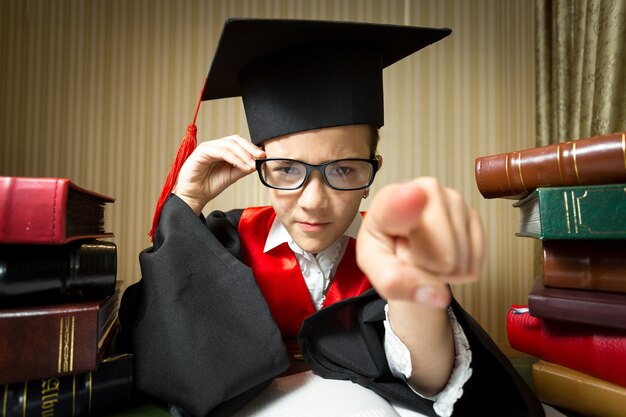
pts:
[578, 392]
[605, 309]
[596, 265]
[55, 340]
[587, 161]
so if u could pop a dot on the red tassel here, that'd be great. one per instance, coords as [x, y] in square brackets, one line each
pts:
[187, 146]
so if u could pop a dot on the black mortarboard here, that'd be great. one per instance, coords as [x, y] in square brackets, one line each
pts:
[296, 75]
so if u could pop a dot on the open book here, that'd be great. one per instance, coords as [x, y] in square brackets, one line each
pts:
[308, 395]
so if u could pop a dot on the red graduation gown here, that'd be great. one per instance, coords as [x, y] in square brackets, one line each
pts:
[278, 274]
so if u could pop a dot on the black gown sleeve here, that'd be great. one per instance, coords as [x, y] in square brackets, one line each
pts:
[345, 341]
[201, 331]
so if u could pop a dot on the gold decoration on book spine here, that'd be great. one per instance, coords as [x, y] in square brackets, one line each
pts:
[624, 149]
[25, 398]
[74, 395]
[558, 162]
[519, 169]
[574, 159]
[66, 344]
[4, 400]
[506, 167]
[90, 393]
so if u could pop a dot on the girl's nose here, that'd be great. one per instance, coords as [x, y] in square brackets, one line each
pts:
[314, 194]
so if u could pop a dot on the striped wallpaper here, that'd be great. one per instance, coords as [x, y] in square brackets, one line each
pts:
[102, 92]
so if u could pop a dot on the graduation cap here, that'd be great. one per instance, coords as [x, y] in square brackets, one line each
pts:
[298, 75]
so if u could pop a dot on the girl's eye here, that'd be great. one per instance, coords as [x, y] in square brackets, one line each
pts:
[288, 170]
[340, 170]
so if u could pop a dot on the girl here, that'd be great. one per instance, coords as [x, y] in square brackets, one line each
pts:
[222, 300]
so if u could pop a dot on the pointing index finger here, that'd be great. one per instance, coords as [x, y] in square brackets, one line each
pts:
[397, 209]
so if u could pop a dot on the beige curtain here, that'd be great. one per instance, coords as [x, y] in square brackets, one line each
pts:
[580, 69]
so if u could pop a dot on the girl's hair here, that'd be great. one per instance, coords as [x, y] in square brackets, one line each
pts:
[374, 139]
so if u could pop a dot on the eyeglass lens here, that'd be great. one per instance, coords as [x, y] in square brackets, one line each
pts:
[343, 174]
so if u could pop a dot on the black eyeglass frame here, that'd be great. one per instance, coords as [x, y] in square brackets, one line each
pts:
[319, 167]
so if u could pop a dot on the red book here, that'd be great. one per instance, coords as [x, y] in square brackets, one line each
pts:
[593, 350]
[587, 161]
[595, 265]
[49, 211]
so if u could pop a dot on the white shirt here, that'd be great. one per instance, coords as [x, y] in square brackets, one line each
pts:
[318, 270]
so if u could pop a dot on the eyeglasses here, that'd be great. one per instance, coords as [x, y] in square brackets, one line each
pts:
[342, 174]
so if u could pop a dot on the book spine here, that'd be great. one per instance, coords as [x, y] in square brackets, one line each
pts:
[33, 209]
[595, 212]
[110, 387]
[575, 391]
[594, 160]
[42, 342]
[42, 274]
[592, 350]
[604, 309]
[585, 264]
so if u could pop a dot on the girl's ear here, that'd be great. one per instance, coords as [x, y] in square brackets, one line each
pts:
[380, 161]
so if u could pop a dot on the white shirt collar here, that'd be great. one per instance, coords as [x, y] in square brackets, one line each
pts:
[278, 234]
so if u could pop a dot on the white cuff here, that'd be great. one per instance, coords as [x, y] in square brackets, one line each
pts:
[399, 359]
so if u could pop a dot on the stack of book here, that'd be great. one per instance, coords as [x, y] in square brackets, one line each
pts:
[571, 197]
[59, 299]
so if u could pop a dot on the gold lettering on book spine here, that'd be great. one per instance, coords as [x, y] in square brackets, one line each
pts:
[49, 396]
[66, 344]
[579, 223]
[580, 213]
[575, 212]
[569, 230]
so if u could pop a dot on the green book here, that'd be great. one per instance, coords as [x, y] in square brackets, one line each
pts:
[580, 212]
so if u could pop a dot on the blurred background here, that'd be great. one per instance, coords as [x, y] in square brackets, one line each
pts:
[101, 92]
